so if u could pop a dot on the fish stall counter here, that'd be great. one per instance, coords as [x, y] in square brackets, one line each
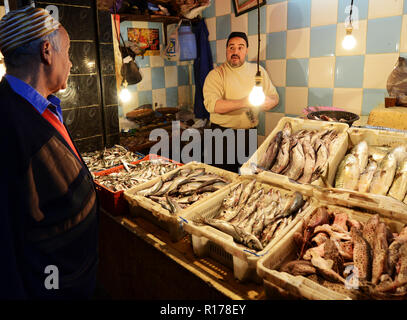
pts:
[138, 260]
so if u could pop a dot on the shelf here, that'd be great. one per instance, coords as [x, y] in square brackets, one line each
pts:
[149, 18]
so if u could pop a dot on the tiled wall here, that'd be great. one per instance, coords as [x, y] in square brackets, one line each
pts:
[302, 52]
[89, 104]
[166, 83]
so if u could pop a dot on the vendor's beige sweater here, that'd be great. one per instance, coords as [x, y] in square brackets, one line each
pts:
[226, 82]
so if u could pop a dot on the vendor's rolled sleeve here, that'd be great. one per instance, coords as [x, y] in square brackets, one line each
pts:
[213, 90]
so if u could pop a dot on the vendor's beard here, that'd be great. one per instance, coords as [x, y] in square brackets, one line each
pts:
[235, 65]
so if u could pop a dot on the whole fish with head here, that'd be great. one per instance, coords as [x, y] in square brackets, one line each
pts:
[283, 156]
[247, 191]
[362, 257]
[173, 204]
[380, 250]
[398, 189]
[366, 177]
[294, 203]
[309, 162]
[249, 207]
[384, 175]
[400, 153]
[237, 233]
[296, 164]
[322, 155]
[152, 190]
[348, 172]
[377, 153]
[361, 152]
[268, 158]
[176, 183]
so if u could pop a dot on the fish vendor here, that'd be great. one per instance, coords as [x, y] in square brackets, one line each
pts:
[226, 91]
[48, 219]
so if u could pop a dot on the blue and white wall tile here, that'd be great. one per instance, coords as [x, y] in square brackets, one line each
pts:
[301, 49]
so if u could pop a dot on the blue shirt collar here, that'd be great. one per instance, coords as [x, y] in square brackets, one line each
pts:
[33, 96]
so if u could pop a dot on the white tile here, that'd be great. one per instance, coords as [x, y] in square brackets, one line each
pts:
[146, 83]
[211, 25]
[403, 40]
[349, 99]
[171, 76]
[260, 140]
[276, 70]
[387, 8]
[271, 120]
[239, 23]
[359, 32]
[156, 61]
[252, 54]
[298, 43]
[324, 12]
[184, 96]
[159, 97]
[378, 68]
[222, 7]
[321, 72]
[296, 99]
[221, 50]
[132, 103]
[276, 14]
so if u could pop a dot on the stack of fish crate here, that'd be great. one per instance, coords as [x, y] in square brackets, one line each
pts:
[113, 201]
[145, 207]
[221, 246]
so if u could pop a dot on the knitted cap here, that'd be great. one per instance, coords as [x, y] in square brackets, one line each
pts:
[25, 25]
[239, 35]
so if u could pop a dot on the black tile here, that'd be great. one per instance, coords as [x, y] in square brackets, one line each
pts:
[79, 22]
[80, 91]
[71, 2]
[83, 122]
[83, 57]
[110, 90]
[90, 144]
[105, 26]
[112, 120]
[107, 59]
[111, 140]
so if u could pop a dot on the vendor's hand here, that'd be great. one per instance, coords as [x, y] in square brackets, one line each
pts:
[270, 102]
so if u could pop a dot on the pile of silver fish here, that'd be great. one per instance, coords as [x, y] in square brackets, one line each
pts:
[133, 174]
[338, 251]
[183, 187]
[301, 156]
[254, 217]
[109, 158]
[377, 170]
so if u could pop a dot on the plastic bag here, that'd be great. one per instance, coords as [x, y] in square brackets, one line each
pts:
[171, 51]
[397, 82]
[130, 71]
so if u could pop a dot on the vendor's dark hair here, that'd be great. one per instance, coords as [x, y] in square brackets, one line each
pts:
[239, 35]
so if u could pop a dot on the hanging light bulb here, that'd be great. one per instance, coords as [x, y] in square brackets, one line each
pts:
[125, 94]
[257, 96]
[349, 42]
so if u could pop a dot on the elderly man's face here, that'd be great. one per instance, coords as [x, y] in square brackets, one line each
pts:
[236, 51]
[62, 63]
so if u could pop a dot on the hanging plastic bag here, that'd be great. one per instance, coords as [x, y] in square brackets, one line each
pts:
[171, 51]
[397, 82]
[187, 42]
